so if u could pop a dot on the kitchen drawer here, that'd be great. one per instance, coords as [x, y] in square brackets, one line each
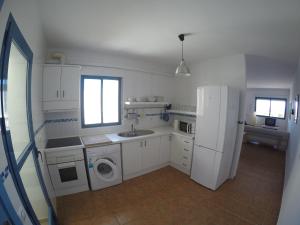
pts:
[186, 164]
[188, 144]
[187, 157]
[186, 151]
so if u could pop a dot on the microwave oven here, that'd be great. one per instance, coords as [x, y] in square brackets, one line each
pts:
[186, 127]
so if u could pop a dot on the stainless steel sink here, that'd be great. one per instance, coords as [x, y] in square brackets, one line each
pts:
[135, 133]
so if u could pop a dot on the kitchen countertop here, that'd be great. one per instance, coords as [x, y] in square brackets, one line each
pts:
[114, 138]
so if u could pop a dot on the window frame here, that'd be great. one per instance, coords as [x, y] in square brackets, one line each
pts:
[99, 77]
[270, 99]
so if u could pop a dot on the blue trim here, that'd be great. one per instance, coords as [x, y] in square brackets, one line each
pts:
[83, 77]
[40, 128]
[1, 4]
[7, 209]
[62, 120]
[23, 157]
[13, 34]
[4, 174]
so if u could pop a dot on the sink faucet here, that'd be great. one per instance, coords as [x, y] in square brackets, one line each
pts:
[132, 129]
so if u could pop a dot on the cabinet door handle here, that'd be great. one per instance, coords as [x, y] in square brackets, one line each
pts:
[186, 150]
[63, 93]
[145, 143]
[57, 94]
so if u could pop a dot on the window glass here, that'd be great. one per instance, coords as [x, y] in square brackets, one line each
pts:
[270, 107]
[100, 107]
[16, 100]
[92, 101]
[262, 107]
[110, 101]
[30, 180]
[278, 108]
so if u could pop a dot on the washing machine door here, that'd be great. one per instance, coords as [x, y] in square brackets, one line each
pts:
[105, 169]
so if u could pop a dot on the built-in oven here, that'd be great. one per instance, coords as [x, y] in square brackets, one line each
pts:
[67, 170]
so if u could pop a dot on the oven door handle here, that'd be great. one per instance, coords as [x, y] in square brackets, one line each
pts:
[66, 165]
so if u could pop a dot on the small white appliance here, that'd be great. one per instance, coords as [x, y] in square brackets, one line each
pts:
[104, 166]
[216, 127]
[186, 127]
[65, 161]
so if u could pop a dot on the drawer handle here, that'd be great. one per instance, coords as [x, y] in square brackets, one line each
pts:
[187, 142]
[184, 164]
[185, 157]
[186, 150]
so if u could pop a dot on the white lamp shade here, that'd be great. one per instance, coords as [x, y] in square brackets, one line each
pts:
[182, 70]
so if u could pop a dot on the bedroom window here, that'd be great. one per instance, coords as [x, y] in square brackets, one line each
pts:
[100, 101]
[270, 107]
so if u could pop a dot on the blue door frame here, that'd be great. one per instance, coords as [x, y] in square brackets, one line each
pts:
[13, 34]
[7, 211]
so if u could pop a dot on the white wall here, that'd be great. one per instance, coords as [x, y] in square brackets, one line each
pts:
[251, 93]
[265, 72]
[230, 70]
[26, 14]
[290, 207]
[138, 80]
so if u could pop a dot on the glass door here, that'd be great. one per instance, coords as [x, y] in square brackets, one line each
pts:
[17, 129]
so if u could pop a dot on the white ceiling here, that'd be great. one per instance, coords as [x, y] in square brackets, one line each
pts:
[148, 29]
[263, 72]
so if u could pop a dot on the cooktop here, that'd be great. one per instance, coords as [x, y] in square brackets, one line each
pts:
[63, 142]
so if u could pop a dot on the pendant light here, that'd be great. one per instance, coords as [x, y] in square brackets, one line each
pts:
[182, 70]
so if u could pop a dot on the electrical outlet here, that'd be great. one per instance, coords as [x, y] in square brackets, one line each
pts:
[22, 213]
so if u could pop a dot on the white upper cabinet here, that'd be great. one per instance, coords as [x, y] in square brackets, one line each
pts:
[69, 80]
[61, 87]
[51, 83]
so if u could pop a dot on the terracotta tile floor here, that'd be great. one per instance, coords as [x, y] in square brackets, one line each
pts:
[169, 197]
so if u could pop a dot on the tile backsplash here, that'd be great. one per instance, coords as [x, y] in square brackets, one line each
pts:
[65, 124]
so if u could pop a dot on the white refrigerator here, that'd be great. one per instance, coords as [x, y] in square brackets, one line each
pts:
[216, 127]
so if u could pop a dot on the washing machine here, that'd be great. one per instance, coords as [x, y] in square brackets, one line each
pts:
[104, 166]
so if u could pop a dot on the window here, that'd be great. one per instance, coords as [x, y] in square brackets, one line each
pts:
[270, 107]
[100, 101]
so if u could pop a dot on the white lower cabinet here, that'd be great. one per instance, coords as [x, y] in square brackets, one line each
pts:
[150, 153]
[143, 156]
[181, 153]
[132, 158]
[165, 149]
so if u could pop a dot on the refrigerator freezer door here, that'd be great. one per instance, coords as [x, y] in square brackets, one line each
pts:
[208, 116]
[203, 166]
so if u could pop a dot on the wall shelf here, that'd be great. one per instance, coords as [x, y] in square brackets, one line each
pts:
[180, 112]
[135, 105]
